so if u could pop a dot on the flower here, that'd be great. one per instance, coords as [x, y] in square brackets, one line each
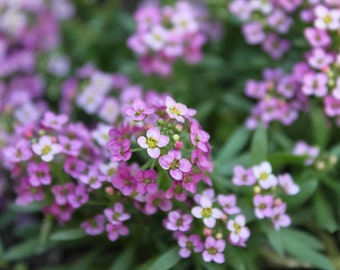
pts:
[243, 177]
[94, 226]
[39, 174]
[228, 203]
[146, 181]
[153, 141]
[263, 173]
[175, 110]
[174, 162]
[177, 221]
[239, 233]
[139, 110]
[263, 205]
[116, 214]
[207, 212]
[46, 148]
[213, 250]
[287, 184]
[189, 244]
[326, 18]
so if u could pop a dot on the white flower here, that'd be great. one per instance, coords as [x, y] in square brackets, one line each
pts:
[206, 212]
[263, 173]
[327, 18]
[46, 148]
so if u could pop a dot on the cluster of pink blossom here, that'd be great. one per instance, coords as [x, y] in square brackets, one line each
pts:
[267, 190]
[265, 21]
[165, 34]
[301, 148]
[27, 29]
[280, 97]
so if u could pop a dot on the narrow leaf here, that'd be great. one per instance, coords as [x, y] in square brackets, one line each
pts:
[167, 260]
[67, 234]
[123, 262]
[21, 250]
[259, 146]
[323, 213]
[320, 127]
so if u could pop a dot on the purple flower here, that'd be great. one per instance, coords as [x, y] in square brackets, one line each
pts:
[228, 203]
[279, 21]
[93, 178]
[177, 221]
[115, 230]
[19, 152]
[156, 200]
[287, 184]
[123, 180]
[78, 196]
[70, 147]
[319, 59]
[153, 141]
[175, 110]
[239, 233]
[190, 244]
[146, 181]
[207, 212]
[253, 33]
[213, 250]
[317, 37]
[301, 148]
[275, 46]
[39, 174]
[116, 214]
[74, 166]
[54, 121]
[139, 110]
[199, 137]
[61, 192]
[94, 226]
[243, 177]
[263, 205]
[46, 148]
[174, 162]
[279, 217]
[315, 84]
[255, 89]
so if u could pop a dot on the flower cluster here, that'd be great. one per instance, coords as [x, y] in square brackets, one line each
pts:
[280, 97]
[267, 190]
[167, 33]
[264, 22]
[301, 148]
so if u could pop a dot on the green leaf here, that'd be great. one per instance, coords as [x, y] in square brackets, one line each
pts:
[280, 159]
[324, 216]
[320, 127]
[259, 146]
[162, 262]
[31, 208]
[68, 234]
[275, 239]
[124, 262]
[303, 252]
[233, 145]
[307, 189]
[309, 240]
[22, 250]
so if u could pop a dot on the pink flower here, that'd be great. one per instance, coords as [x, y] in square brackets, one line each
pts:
[228, 203]
[94, 226]
[46, 148]
[115, 230]
[54, 121]
[243, 177]
[213, 250]
[175, 110]
[199, 137]
[139, 110]
[190, 244]
[123, 180]
[146, 181]
[207, 212]
[78, 196]
[39, 174]
[153, 141]
[263, 173]
[287, 184]
[116, 215]
[263, 205]
[177, 165]
[177, 221]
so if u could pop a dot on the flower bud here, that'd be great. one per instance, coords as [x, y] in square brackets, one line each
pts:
[257, 189]
[109, 190]
[207, 232]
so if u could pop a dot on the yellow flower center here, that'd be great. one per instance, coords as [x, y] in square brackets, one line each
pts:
[207, 212]
[175, 110]
[46, 149]
[327, 19]
[151, 142]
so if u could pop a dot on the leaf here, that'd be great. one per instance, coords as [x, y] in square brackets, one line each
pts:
[280, 159]
[310, 241]
[303, 252]
[259, 146]
[68, 234]
[233, 145]
[31, 208]
[123, 262]
[22, 250]
[320, 127]
[324, 216]
[162, 262]
[275, 239]
[307, 189]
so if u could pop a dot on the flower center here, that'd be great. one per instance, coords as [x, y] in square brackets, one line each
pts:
[189, 245]
[179, 222]
[237, 227]
[174, 165]
[327, 19]
[262, 206]
[175, 110]
[151, 142]
[264, 176]
[46, 149]
[116, 216]
[212, 250]
[206, 212]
